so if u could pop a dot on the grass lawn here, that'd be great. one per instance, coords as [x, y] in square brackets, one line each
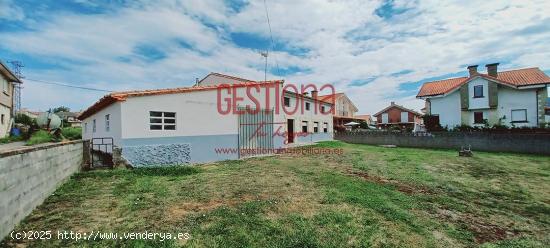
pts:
[369, 196]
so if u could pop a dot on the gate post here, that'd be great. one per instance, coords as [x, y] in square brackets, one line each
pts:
[86, 156]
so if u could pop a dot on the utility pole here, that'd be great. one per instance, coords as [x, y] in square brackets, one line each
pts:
[16, 68]
[265, 54]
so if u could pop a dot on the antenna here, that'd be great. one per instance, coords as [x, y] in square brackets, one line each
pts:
[16, 68]
[265, 54]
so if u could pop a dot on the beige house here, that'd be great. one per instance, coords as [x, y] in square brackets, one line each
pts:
[344, 109]
[7, 79]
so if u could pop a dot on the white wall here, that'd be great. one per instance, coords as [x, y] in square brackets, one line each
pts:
[305, 115]
[196, 113]
[448, 108]
[509, 99]
[4, 127]
[478, 103]
[114, 111]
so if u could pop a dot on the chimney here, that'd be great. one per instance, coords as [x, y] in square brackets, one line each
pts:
[314, 94]
[492, 69]
[392, 103]
[472, 69]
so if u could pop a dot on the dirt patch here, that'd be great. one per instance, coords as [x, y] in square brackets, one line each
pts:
[180, 210]
[402, 187]
[483, 231]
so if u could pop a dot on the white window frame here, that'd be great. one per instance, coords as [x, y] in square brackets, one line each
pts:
[325, 127]
[385, 118]
[5, 86]
[305, 124]
[406, 119]
[162, 120]
[520, 112]
[107, 122]
[315, 126]
[93, 126]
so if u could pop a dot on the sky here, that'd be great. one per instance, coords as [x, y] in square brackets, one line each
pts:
[374, 51]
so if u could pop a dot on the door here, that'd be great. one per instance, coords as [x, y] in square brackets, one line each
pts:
[290, 130]
[255, 132]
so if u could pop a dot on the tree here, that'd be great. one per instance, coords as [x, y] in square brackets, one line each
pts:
[61, 109]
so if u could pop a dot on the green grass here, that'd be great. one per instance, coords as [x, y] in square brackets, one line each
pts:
[39, 137]
[367, 197]
[72, 133]
[10, 139]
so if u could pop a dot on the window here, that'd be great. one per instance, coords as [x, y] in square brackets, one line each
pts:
[325, 127]
[107, 123]
[2, 119]
[304, 126]
[478, 91]
[478, 117]
[287, 102]
[5, 85]
[323, 110]
[86, 127]
[162, 120]
[385, 118]
[404, 116]
[315, 127]
[519, 115]
[93, 126]
[307, 105]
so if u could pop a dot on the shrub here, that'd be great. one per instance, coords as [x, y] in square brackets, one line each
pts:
[25, 119]
[72, 133]
[39, 137]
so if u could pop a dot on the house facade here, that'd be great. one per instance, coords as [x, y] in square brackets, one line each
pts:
[510, 98]
[7, 81]
[344, 108]
[206, 123]
[397, 115]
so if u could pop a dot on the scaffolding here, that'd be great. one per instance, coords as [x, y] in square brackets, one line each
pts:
[16, 69]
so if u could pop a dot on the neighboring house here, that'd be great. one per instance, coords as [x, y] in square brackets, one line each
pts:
[191, 125]
[397, 115]
[215, 78]
[514, 97]
[70, 118]
[7, 80]
[367, 118]
[547, 111]
[29, 113]
[344, 109]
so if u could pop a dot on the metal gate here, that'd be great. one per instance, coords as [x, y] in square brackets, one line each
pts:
[101, 152]
[255, 132]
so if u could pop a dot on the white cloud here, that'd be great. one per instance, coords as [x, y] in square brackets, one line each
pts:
[346, 41]
[9, 11]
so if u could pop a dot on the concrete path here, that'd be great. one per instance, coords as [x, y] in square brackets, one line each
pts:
[12, 146]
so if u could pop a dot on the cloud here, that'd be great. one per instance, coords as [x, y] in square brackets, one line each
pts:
[374, 51]
[9, 11]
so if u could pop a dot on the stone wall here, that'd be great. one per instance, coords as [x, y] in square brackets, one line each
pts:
[493, 142]
[29, 175]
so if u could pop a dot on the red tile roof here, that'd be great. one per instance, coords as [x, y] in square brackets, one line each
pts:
[331, 97]
[364, 117]
[514, 78]
[122, 96]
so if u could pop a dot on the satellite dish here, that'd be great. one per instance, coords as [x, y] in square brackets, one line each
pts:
[51, 118]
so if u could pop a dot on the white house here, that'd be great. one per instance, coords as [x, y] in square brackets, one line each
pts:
[7, 81]
[511, 98]
[206, 123]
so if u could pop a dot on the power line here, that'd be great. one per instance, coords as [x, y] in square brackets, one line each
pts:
[271, 36]
[66, 85]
